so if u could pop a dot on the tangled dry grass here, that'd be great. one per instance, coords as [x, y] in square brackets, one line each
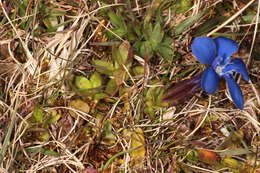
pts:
[65, 108]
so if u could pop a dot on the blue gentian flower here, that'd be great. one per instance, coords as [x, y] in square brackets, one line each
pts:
[217, 53]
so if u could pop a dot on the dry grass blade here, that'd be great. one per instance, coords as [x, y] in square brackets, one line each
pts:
[31, 63]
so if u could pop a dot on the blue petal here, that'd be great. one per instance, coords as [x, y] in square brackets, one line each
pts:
[204, 49]
[237, 65]
[225, 46]
[209, 82]
[235, 92]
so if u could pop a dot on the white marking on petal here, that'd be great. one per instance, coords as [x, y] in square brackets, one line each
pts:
[219, 69]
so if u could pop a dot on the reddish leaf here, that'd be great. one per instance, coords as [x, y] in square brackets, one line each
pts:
[208, 156]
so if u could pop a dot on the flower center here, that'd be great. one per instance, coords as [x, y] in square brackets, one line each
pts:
[219, 69]
[219, 64]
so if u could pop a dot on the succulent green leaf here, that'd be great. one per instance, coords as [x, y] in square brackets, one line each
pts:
[104, 67]
[95, 80]
[82, 83]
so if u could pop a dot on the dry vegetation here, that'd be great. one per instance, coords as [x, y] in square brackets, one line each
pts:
[81, 87]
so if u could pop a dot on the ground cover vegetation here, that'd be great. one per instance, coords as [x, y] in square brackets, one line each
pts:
[115, 86]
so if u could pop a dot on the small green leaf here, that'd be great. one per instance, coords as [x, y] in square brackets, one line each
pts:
[104, 67]
[53, 118]
[129, 32]
[137, 29]
[124, 90]
[44, 136]
[148, 30]
[137, 141]
[137, 45]
[111, 87]
[50, 21]
[99, 96]
[119, 76]
[157, 35]
[121, 53]
[124, 50]
[78, 105]
[95, 80]
[158, 96]
[115, 20]
[148, 17]
[249, 18]
[50, 153]
[107, 134]
[82, 83]
[146, 49]
[43, 151]
[233, 163]
[117, 58]
[150, 111]
[83, 86]
[186, 24]
[166, 51]
[118, 31]
[38, 115]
